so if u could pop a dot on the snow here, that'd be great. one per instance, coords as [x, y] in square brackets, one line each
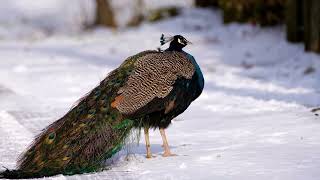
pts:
[253, 120]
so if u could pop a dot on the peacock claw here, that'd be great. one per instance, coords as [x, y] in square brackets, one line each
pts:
[168, 154]
[150, 156]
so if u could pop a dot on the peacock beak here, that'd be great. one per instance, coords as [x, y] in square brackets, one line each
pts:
[189, 42]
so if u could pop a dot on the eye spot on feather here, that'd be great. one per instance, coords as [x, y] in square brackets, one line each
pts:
[101, 102]
[97, 93]
[82, 125]
[129, 72]
[80, 108]
[51, 138]
[113, 116]
[41, 164]
[90, 116]
[52, 135]
[104, 107]
[91, 113]
[66, 158]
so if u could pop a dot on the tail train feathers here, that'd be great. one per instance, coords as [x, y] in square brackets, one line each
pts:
[15, 174]
[90, 159]
[79, 158]
[18, 174]
[81, 141]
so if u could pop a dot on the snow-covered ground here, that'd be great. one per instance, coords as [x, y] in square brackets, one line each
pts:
[252, 122]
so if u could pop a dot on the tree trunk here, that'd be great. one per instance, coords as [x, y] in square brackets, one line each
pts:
[294, 20]
[315, 26]
[206, 3]
[137, 17]
[307, 24]
[104, 14]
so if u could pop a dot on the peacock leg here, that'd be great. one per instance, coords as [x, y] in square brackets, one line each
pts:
[146, 136]
[165, 144]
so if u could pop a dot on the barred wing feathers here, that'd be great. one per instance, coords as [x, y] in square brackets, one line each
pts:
[154, 75]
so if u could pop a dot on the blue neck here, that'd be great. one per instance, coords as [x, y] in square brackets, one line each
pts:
[198, 70]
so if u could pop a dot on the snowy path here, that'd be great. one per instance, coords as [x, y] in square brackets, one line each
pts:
[253, 120]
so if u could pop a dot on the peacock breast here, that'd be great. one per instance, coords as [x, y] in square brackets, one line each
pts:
[198, 72]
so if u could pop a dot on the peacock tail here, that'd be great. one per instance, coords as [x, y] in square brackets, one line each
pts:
[148, 89]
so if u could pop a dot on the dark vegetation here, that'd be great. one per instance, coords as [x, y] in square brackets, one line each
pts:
[301, 17]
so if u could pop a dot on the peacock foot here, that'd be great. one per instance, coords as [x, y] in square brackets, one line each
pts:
[149, 156]
[168, 154]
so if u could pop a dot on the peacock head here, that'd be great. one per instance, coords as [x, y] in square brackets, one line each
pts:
[177, 42]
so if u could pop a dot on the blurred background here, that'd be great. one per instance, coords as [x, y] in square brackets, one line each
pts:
[256, 119]
[301, 18]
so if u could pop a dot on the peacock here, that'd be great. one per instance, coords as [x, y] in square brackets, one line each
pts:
[146, 91]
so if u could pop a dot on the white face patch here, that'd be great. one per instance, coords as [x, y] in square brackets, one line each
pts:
[181, 42]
